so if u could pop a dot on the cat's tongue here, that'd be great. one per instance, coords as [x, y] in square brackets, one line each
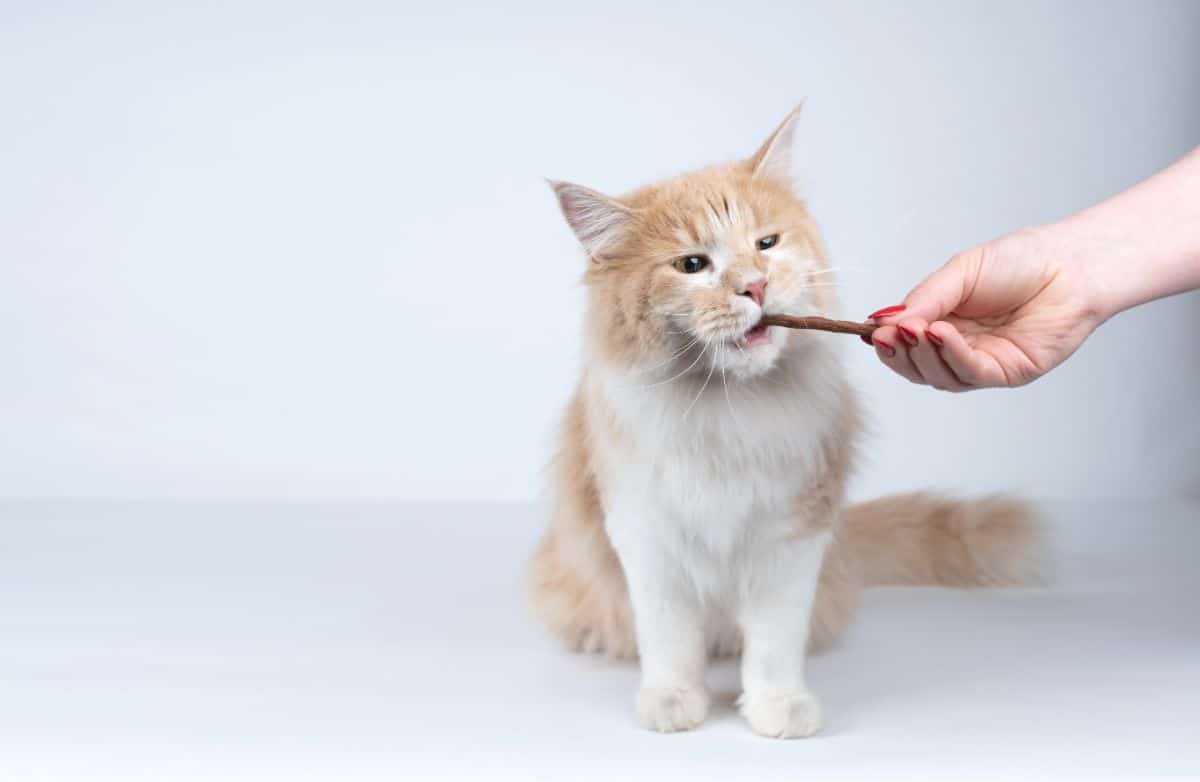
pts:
[756, 336]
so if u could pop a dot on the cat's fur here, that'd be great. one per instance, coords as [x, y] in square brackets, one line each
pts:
[699, 486]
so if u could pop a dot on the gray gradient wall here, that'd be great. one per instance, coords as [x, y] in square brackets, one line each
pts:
[299, 250]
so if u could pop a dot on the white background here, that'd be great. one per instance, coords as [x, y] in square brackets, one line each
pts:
[280, 250]
[258, 254]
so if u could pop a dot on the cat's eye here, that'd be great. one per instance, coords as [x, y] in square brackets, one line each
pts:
[692, 264]
[767, 242]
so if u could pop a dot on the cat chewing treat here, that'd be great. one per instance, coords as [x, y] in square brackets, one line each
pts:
[699, 485]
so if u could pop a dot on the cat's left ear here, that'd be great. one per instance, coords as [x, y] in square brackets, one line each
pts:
[774, 158]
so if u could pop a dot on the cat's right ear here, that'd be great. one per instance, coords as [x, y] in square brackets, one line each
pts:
[597, 220]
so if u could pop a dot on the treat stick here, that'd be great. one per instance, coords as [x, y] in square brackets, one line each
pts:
[819, 323]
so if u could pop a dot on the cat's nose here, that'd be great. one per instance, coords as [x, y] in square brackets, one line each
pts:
[756, 290]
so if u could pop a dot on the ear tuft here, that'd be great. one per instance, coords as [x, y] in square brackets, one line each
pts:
[596, 219]
[774, 158]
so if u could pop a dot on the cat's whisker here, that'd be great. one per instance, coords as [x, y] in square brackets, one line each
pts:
[699, 393]
[855, 268]
[671, 358]
[729, 401]
[681, 374]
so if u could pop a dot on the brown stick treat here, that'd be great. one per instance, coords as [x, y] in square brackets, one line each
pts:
[819, 323]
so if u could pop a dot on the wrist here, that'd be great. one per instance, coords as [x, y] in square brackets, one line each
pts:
[1093, 262]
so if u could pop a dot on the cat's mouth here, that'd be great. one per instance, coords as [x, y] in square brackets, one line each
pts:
[756, 335]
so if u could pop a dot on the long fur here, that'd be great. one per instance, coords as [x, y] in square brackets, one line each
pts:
[699, 482]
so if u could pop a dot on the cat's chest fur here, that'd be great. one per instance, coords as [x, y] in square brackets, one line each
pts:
[715, 462]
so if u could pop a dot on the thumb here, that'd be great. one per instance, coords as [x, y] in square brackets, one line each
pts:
[940, 293]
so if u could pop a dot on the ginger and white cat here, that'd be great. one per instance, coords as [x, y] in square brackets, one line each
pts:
[699, 486]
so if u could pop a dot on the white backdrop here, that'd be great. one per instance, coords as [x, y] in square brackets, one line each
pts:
[295, 250]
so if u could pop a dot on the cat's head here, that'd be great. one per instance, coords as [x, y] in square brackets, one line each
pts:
[680, 272]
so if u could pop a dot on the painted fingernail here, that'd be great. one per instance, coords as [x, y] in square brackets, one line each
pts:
[866, 340]
[909, 336]
[883, 313]
[934, 338]
[891, 351]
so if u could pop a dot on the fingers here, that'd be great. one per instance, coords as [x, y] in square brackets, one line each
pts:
[972, 367]
[925, 356]
[939, 294]
[893, 353]
[914, 341]
[911, 349]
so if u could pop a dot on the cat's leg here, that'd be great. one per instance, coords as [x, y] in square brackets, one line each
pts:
[778, 592]
[670, 628]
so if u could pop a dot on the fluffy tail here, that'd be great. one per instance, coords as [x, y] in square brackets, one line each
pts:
[925, 540]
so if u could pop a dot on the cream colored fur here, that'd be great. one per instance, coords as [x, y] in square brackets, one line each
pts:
[699, 485]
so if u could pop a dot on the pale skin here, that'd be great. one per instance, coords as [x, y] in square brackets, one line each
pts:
[1007, 312]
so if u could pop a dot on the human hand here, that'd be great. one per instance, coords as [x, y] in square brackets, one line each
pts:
[999, 315]
[1007, 312]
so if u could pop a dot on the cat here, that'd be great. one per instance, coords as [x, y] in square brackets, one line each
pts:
[699, 486]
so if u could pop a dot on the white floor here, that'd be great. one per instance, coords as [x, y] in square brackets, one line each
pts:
[230, 642]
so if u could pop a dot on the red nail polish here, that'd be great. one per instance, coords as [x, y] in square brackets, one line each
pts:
[866, 340]
[934, 338]
[891, 351]
[883, 313]
[909, 336]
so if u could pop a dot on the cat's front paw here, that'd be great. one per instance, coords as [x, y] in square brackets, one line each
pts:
[782, 713]
[668, 709]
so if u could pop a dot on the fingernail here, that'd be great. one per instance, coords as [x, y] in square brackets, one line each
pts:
[891, 351]
[934, 338]
[866, 340]
[883, 313]
[909, 336]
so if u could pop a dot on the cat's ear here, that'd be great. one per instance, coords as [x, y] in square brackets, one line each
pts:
[774, 158]
[596, 219]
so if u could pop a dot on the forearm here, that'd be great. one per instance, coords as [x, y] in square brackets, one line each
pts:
[1142, 244]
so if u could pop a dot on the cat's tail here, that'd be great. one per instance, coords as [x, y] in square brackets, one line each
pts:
[925, 540]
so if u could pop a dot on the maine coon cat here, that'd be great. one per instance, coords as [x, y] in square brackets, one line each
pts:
[699, 484]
